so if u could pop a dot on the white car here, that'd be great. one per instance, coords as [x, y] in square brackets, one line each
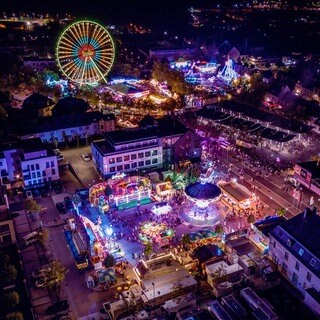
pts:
[85, 157]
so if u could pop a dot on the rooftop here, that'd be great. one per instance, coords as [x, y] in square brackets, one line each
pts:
[311, 166]
[300, 235]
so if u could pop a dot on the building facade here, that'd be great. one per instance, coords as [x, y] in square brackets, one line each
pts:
[64, 128]
[294, 249]
[30, 162]
[150, 147]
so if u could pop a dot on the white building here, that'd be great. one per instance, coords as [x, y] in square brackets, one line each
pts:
[125, 151]
[82, 125]
[294, 248]
[31, 161]
[150, 147]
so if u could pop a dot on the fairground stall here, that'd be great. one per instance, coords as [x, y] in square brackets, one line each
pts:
[237, 196]
[121, 192]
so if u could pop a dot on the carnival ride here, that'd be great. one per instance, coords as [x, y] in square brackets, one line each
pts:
[201, 209]
[158, 233]
[85, 52]
[228, 73]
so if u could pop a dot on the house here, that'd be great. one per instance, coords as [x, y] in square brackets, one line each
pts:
[294, 248]
[220, 271]
[31, 162]
[163, 278]
[37, 105]
[66, 127]
[207, 254]
[276, 93]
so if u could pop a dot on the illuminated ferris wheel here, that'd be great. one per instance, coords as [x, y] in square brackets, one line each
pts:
[85, 52]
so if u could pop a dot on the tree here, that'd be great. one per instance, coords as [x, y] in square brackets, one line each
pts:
[32, 206]
[109, 261]
[8, 274]
[219, 275]
[148, 249]
[54, 275]
[14, 316]
[43, 237]
[251, 219]
[11, 299]
[281, 212]
[218, 229]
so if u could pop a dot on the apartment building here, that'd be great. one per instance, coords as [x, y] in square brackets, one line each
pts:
[31, 162]
[294, 248]
[150, 147]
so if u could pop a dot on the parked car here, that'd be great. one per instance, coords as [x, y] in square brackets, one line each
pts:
[85, 157]
[68, 203]
[59, 306]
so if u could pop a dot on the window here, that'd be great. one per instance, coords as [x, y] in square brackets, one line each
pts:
[300, 252]
[295, 278]
[140, 155]
[44, 173]
[38, 174]
[286, 256]
[127, 166]
[154, 152]
[33, 175]
[52, 164]
[32, 167]
[119, 159]
[47, 165]
[126, 158]
[53, 171]
[133, 157]
[37, 166]
[274, 244]
[284, 268]
[141, 163]
[154, 161]
[111, 160]
[148, 162]
[112, 169]
[119, 168]
[133, 165]
[297, 266]
[309, 276]
[313, 262]
[147, 154]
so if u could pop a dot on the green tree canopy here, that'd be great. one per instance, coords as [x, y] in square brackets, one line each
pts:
[14, 316]
[32, 205]
[54, 274]
[109, 261]
[11, 299]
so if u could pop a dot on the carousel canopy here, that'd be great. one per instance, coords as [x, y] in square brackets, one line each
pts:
[202, 191]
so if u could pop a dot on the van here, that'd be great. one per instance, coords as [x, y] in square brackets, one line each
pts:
[30, 238]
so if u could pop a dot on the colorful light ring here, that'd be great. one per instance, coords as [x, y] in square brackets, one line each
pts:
[85, 52]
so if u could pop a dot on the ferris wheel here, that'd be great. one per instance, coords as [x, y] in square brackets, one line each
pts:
[85, 52]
